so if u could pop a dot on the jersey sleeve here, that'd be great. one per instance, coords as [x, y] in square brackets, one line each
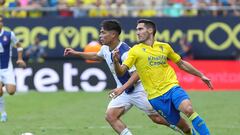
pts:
[173, 56]
[130, 60]
[124, 57]
[14, 39]
[100, 52]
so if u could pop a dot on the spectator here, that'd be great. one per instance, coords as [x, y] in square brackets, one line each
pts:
[98, 9]
[174, 9]
[150, 11]
[119, 8]
[35, 52]
[78, 10]
[36, 5]
[186, 48]
[64, 9]
[189, 10]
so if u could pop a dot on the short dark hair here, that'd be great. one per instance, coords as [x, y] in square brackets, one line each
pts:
[111, 25]
[148, 24]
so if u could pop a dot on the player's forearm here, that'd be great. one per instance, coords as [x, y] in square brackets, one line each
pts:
[20, 54]
[87, 56]
[189, 68]
[119, 69]
[131, 81]
[19, 51]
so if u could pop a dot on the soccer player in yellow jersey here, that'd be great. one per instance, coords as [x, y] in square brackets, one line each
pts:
[158, 77]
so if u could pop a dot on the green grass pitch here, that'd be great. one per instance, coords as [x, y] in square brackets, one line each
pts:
[83, 113]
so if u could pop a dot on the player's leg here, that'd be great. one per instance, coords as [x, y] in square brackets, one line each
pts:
[197, 122]
[2, 105]
[116, 108]
[139, 99]
[8, 79]
[112, 117]
[11, 89]
[183, 103]
[183, 125]
[164, 106]
[158, 119]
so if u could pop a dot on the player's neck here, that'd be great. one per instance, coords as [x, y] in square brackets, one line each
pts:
[114, 44]
[149, 42]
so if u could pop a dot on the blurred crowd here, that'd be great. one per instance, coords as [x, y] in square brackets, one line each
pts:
[119, 8]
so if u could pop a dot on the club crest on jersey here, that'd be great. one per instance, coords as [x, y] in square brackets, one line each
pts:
[144, 49]
[161, 48]
[5, 38]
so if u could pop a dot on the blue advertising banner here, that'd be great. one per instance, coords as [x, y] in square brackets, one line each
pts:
[210, 37]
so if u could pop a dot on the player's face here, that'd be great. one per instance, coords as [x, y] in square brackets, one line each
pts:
[1, 22]
[142, 33]
[105, 37]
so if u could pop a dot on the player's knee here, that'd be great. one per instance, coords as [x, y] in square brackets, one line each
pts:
[158, 120]
[110, 117]
[11, 91]
[188, 111]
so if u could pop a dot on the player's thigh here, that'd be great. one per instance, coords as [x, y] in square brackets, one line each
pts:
[8, 79]
[181, 100]
[114, 113]
[122, 101]
[164, 106]
[1, 88]
[139, 99]
[11, 88]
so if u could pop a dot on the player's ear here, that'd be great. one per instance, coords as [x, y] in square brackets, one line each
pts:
[150, 30]
[114, 34]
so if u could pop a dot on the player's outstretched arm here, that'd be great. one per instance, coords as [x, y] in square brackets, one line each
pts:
[184, 65]
[20, 61]
[131, 81]
[119, 69]
[84, 55]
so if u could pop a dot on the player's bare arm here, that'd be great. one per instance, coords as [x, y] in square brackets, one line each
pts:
[20, 61]
[118, 91]
[184, 65]
[84, 55]
[120, 69]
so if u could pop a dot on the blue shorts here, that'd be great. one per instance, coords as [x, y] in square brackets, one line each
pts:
[167, 104]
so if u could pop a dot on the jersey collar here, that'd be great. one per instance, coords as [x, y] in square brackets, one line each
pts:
[118, 46]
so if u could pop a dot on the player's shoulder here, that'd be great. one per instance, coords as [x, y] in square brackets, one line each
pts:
[7, 32]
[161, 43]
[104, 47]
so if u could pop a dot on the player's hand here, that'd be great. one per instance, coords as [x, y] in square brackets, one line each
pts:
[207, 81]
[116, 55]
[115, 92]
[69, 52]
[21, 63]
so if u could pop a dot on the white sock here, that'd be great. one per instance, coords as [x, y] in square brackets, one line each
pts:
[125, 132]
[2, 105]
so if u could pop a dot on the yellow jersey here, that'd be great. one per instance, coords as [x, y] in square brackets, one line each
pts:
[151, 62]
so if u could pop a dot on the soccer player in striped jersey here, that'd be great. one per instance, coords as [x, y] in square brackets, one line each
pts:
[7, 77]
[134, 95]
[158, 77]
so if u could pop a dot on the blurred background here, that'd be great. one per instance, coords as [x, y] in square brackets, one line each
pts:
[68, 96]
[204, 32]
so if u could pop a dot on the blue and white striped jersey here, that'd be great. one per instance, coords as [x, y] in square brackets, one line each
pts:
[106, 53]
[7, 41]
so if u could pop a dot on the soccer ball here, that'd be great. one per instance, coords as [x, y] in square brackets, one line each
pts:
[27, 134]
